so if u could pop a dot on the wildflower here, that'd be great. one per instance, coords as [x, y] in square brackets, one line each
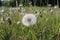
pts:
[28, 19]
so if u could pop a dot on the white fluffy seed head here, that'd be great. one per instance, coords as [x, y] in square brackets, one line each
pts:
[28, 19]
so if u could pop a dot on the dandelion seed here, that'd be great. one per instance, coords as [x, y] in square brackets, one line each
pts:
[28, 19]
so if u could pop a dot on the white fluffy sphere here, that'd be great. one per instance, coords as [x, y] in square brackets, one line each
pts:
[28, 19]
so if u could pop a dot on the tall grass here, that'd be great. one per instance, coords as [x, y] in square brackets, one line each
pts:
[45, 28]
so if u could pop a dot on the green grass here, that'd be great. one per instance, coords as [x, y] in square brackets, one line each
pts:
[42, 30]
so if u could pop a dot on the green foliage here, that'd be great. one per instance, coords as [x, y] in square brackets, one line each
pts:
[42, 30]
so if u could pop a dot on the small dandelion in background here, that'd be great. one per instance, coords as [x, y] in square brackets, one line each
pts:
[28, 19]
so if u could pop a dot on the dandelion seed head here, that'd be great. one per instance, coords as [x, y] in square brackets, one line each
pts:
[28, 19]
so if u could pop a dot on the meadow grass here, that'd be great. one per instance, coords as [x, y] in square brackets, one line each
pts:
[45, 28]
